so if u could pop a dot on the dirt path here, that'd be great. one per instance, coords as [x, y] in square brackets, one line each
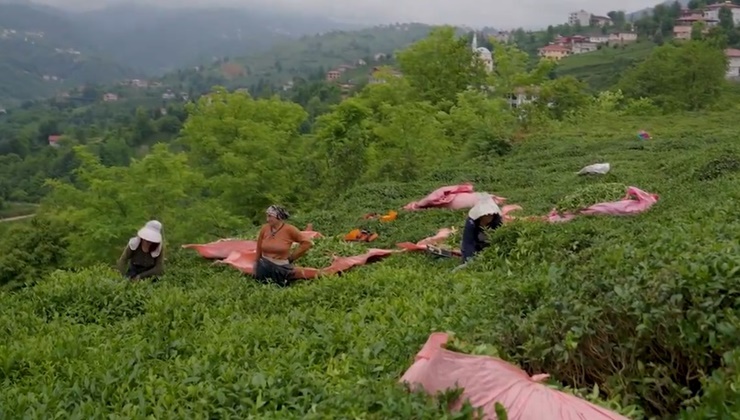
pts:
[12, 219]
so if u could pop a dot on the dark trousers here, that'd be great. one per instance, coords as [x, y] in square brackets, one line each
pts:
[266, 271]
[135, 270]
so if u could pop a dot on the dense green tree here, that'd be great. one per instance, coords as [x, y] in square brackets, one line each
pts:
[440, 66]
[245, 147]
[689, 76]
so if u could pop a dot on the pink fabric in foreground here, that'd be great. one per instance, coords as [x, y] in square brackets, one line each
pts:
[454, 197]
[635, 201]
[487, 380]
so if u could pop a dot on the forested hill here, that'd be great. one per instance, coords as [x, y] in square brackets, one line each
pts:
[42, 52]
[45, 51]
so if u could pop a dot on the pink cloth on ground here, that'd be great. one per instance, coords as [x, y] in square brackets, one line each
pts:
[242, 255]
[634, 202]
[487, 380]
[454, 197]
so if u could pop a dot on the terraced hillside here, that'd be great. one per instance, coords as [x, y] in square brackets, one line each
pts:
[639, 306]
[602, 69]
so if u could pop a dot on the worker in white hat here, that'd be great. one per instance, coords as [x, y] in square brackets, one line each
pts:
[144, 253]
[486, 214]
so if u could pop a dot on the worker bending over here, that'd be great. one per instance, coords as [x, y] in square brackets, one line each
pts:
[486, 214]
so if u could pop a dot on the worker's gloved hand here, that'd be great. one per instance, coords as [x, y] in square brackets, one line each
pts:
[459, 267]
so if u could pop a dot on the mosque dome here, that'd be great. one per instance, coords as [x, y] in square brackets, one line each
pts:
[483, 51]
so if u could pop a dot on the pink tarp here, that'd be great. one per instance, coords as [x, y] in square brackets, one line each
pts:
[487, 380]
[634, 202]
[242, 255]
[454, 197]
[437, 239]
[224, 247]
[245, 260]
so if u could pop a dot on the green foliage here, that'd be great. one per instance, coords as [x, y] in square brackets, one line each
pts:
[603, 68]
[244, 147]
[108, 204]
[441, 66]
[688, 76]
[589, 195]
[325, 249]
[718, 167]
[30, 251]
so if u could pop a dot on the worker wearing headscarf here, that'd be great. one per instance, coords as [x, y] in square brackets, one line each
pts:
[274, 242]
[486, 214]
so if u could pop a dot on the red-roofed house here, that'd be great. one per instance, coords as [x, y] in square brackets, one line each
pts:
[682, 32]
[697, 17]
[555, 52]
[733, 65]
[333, 75]
[712, 11]
[54, 140]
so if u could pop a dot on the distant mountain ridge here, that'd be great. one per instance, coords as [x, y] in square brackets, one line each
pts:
[638, 14]
[44, 50]
[158, 40]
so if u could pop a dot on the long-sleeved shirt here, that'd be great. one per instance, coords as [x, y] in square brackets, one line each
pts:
[142, 259]
[474, 239]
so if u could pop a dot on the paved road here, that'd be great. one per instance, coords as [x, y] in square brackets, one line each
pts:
[12, 219]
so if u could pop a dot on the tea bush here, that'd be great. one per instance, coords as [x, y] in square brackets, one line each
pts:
[640, 314]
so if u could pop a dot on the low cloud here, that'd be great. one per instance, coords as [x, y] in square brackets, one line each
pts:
[503, 14]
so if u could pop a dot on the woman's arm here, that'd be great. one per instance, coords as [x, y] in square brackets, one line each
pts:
[121, 263]
[304, 244]
[260, 235]
[469, 237]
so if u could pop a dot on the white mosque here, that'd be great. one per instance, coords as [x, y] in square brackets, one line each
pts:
[483, 53]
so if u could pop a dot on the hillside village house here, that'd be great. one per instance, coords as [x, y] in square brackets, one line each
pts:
[502, 37]
[374, 79]
[600, 21]
[522, 96]
[599, 39]
[712, 11]
[682, 32]
[683, 25]
[733, 66]
[554, 52]
[580, 17]
[564, 46]
[622, 37]
[54, 140]
[110, 97]
[332, 75]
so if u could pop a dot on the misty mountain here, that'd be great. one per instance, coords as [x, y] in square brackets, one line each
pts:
[157, 40]
[649, 10]
[42, 53]
[44, 50]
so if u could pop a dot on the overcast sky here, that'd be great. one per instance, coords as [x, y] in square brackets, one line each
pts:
[503, 14]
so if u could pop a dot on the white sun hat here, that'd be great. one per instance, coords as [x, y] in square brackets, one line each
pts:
[485, 206]
[151, 232]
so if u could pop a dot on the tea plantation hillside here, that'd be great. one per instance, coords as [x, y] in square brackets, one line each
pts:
[639, 314]
[643, 308]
